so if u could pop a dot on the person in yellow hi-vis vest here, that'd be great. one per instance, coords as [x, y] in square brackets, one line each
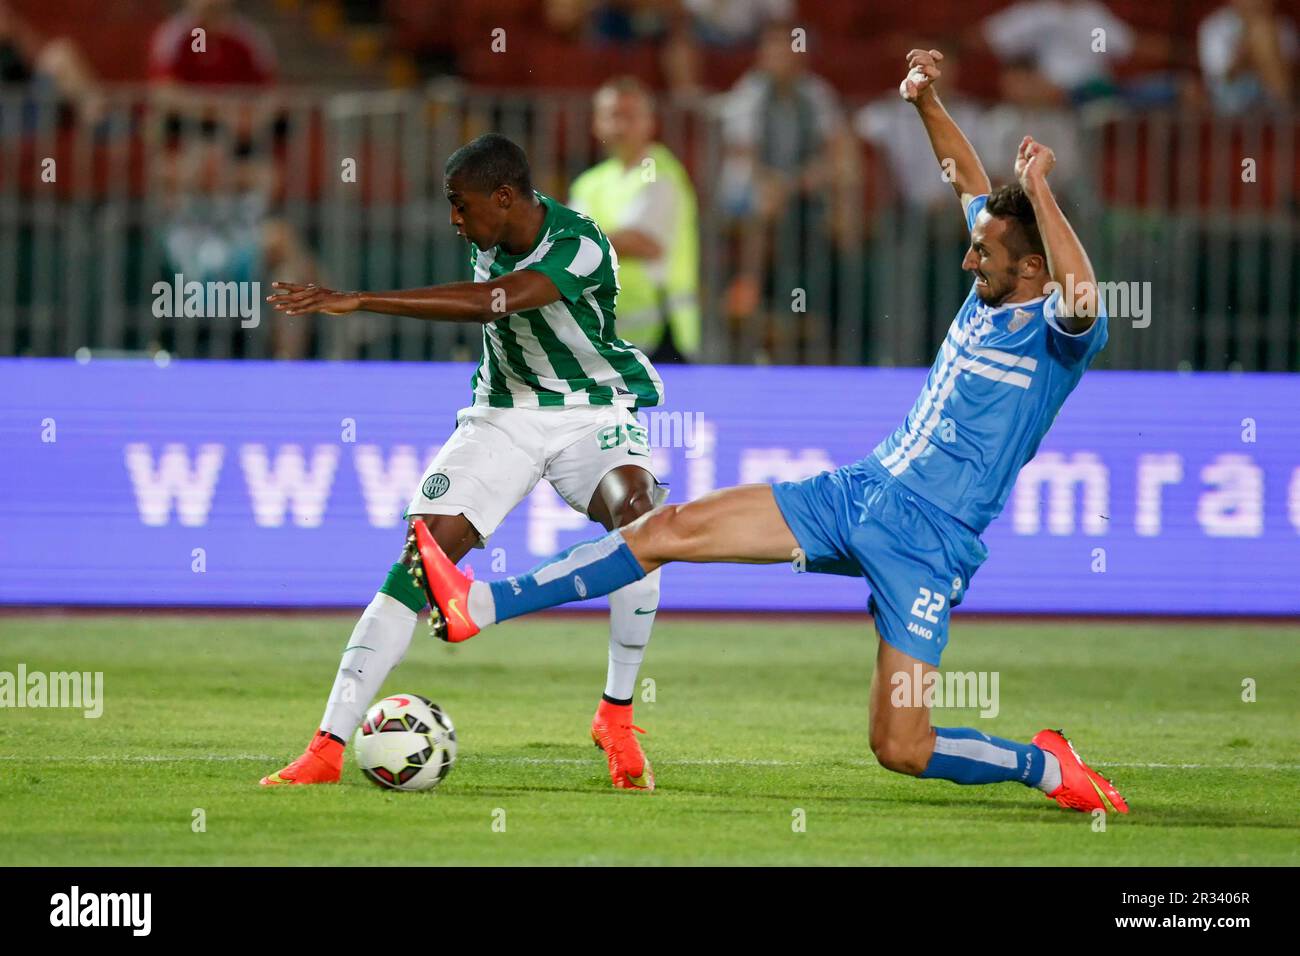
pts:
[643, 199]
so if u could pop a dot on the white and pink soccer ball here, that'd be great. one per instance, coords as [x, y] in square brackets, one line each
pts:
[406, 742]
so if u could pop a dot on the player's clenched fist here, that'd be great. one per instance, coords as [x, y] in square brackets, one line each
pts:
[297, 299]
[922, 71]
[1033, 162]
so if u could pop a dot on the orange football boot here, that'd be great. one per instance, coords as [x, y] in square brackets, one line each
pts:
[613, 732]
[1082, 788]
[321, 763]
[446, 587]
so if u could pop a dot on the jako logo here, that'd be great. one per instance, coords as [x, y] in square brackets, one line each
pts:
[103, 909]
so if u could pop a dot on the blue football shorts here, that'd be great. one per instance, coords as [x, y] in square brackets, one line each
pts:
[918, 560]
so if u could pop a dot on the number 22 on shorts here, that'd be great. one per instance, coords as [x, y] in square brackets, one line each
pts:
[928, 605]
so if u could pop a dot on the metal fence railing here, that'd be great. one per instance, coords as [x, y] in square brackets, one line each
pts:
[1193, 219]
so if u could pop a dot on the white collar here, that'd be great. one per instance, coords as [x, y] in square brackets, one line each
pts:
[1016, 305]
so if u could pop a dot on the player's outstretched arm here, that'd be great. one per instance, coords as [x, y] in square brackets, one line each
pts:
[957, 158]
[454, 302]
[1067, 260]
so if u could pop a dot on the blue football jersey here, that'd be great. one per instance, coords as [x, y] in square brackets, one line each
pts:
[999, 379]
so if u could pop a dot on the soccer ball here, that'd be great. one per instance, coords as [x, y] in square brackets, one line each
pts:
[406, 742]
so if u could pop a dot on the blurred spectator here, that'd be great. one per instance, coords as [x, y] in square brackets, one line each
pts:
[203, 52]
[631, 21]
[218, 226]
[1248, 51]
[735, 22]
[659, 22]
[780, 126]
[713, 23]
[611, 21]
[788, 153]
[643, 199]
[233, 52]
[682, 62]
[46, 66]
[1063, 52]
[1049, 49]
[566, 18]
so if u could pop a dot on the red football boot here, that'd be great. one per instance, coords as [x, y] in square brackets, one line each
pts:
[613, 732]
[322, 762]
[1082, 788]
[445, 586]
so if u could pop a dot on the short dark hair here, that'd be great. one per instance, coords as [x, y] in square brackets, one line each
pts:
[1010, 204]
[488, 162]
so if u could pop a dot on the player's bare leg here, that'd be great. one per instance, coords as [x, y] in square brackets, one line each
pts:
[623, 496]
[454, 534]
[740, 525]
[734, 525]
[904, 740]
[378, 642]
[902, 737]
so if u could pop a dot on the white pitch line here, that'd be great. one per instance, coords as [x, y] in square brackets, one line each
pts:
[1207, 766]
[144, 758]
[871, 763]
[576, 761]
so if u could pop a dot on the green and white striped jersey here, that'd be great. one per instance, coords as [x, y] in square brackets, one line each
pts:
[566, 353]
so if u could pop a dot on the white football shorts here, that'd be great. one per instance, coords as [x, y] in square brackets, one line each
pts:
[496, 455]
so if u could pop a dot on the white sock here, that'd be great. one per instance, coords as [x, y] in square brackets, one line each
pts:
[482, 608]
[629, 633]
[378, 643]
[1051, 773]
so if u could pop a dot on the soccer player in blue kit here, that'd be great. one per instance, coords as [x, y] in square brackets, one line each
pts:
[908, 517]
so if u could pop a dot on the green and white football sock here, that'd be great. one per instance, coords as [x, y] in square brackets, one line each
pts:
[378, 643]
[631, 618]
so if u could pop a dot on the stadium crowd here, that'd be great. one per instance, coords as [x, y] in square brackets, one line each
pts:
[804, 93]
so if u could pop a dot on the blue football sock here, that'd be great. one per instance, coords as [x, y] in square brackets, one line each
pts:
[963, 755]
[588, 569]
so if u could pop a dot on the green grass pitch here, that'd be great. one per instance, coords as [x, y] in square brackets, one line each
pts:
[753, 720]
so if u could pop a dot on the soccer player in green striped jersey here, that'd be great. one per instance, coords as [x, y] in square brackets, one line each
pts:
[554, 397]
